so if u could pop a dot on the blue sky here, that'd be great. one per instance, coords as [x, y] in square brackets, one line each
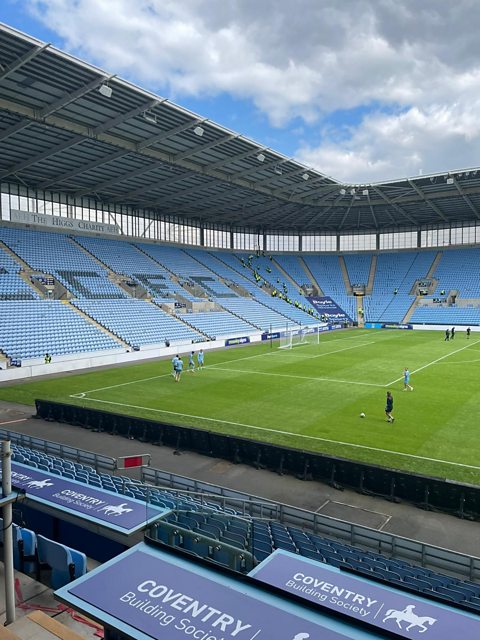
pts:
[362, 90]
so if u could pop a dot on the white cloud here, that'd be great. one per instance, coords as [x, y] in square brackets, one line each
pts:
[305, 59]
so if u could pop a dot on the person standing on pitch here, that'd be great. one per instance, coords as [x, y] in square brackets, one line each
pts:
[191, 362]
[468, 333]
[389, 407]
[452, 333]
[174, 365]
[406, 380]
[200, 359]
[447, 335]
[178, 370]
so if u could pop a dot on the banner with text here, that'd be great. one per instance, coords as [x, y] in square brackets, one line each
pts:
[111, 510]
[398, 613]
[161, 599]
[232, 342]
[68, 224]
[329, 309]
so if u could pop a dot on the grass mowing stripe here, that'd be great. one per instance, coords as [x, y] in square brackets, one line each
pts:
[288, 375]
[288, 433]
[429, 364]
[258, 355]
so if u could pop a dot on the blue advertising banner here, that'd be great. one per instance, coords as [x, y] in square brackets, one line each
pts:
[109, 509]
[329, 309]
[152, 594]
[387, 609]
[231, 342]
[274, 335]
[395, 325]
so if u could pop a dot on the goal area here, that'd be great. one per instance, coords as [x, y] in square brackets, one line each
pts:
[297, 337]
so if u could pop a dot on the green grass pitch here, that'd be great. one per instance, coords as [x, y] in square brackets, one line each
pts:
[310, 397]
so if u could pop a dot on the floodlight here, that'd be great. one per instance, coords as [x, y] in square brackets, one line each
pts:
[278, 171]
[105, 90]
[150, 116]
[199, 131]
[342, 192]
[365, 192]
[450, 180]
[261, 157]
[352, 192]
[305, 176]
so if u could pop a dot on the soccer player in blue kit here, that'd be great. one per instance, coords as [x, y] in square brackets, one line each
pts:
[406, 380]
[200, 359]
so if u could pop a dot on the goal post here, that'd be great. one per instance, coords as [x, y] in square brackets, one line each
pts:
[300, 336]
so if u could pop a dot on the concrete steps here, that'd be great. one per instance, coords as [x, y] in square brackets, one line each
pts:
[310, 276]
[434, 264]
[91, 320]
[371, 275]
[345, 276]
[411, 310]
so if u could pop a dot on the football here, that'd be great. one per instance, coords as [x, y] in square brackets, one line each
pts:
[362, 415]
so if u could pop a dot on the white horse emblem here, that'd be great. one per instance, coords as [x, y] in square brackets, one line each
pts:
[115, 510]
[411, 618]
[39, 484]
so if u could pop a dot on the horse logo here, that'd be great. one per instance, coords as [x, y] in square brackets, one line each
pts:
[115, 510]
[410, 618]
[39, 484]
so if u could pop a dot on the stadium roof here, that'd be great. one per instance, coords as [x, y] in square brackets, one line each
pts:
[69, 127]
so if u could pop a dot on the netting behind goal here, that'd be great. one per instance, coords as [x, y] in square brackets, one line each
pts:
[298, 337]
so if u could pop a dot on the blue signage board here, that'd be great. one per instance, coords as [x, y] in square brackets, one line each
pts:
[386, 609]
[328, 309]
[231, 342]
[146, 593]
[109, 509]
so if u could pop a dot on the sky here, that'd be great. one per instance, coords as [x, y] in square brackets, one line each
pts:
[361, 90]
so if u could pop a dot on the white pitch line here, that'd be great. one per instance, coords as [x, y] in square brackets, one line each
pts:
[288, 433]
[287, 375]
[165, 375]
[425, 366]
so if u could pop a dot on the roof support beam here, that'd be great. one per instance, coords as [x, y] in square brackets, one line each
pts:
[466, 199]
[394, 206]
[109, 124]
[141, 190]
[427, 201]
[19, 62]
[203, 147]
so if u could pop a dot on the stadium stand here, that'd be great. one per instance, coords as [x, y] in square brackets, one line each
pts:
[358, 267]
[56, 254]
[225, 525]
[32, 328]
[395, 276]
[326, 270]
[291, 264]
[137, 322]
[12, 286]
[217, 324]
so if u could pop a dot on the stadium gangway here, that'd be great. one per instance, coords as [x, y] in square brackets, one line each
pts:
[383, 543]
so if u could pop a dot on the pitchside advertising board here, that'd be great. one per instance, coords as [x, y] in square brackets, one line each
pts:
[147, 593]
[328, 308]
[105, 508]
[386, 609]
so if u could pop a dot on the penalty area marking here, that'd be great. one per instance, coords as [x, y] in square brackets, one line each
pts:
[429, 364]
[287, 433]
[211, 366]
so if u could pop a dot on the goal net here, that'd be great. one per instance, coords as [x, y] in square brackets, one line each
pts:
[297, 337]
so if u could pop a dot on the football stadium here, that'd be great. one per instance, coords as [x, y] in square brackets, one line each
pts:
[238, 396]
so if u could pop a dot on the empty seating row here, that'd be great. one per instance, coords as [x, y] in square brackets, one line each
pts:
[32, 553]
[29, 329]
[262, 537]
[137, 322]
